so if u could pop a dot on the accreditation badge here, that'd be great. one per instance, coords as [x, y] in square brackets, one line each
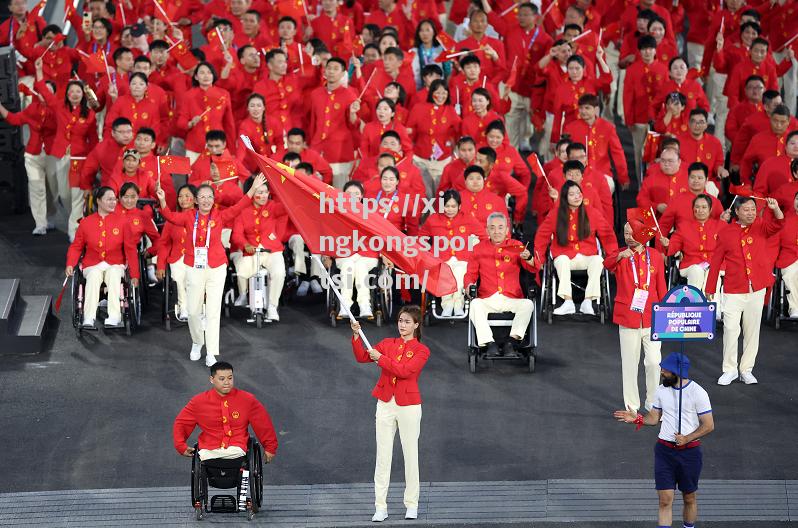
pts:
[201, 257]
[639, 300]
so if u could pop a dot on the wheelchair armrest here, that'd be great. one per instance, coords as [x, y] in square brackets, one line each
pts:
[472, 291]
[532, 292]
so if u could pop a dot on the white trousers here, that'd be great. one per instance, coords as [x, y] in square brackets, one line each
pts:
[594, 266]
[639, 132]
[788, 82]
[341, 173]
[297, 246]
[71, 197]
[632, 339]
[456, 299]
[111, 275]
[790, 277]
[36, 168]
[273, 263]
[221, 452]
[695, 53]
[407, 419]
[719, 104]
[205, 286]
[518, 119]
[178, 272]
[431, 171]
[696, 275]
[745, 307]
[354, 274]
[613, 56]
[545, 141]
[496, 303]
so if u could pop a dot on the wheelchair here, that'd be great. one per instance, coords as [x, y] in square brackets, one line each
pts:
[430, 305]
[129, 298]
[381, 296]
[244, 474]
[259, 291]
[524, 351]
[779, 308]
[169, 313]
[548, 294]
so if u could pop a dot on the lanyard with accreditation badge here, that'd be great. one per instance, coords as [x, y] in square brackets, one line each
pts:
[640, 296]
[201, 253]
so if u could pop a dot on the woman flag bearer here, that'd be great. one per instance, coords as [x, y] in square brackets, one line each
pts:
[206, 261]
[399, 405]
[677, 454]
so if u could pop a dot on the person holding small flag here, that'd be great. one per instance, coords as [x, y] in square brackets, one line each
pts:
[683, 408]
[640, 273]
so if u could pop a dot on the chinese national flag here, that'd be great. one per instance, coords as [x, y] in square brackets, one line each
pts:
[651, 146]
[94, 62]
[741, 190]
[644, 225]
[351, 46]
[59, 38]
[448, 43]
[226, 166]
[513, 74]
[34, 13]
[174, 164]
[24, 90]
[183, 55]
[293, 8]
[301, 196]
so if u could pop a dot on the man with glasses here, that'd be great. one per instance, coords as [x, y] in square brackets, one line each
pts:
[698, 146]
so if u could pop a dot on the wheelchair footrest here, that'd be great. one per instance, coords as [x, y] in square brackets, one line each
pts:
[224, 504]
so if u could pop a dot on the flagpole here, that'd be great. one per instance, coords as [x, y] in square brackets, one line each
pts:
[341, 300]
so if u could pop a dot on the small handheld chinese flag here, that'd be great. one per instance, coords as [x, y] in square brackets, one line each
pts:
[61, 296]
[513, 73]
[94, 62]
[183, 55]
[643, 223]
[174, 164]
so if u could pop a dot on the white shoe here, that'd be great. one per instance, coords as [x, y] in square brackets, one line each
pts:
[794, 314]
[112, 322]
[365, 311]
[271, 313]
[303, 288]
[447, 311]
[196, 352]
[748, 378]
[727, 378]
[566, 308]
[586, 307]
[315, 287]
[459, 311]
[210, 360]
[151, 274]
[379, 516]
[183, 317]
[241, 300]
[412, 513]
[88, 322]
[39, 231]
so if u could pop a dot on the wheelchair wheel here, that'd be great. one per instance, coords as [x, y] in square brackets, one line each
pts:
[259, 320]
[197, 497]
[530, 361]
[472, 361]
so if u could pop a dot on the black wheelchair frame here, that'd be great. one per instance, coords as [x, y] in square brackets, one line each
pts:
[228, 474]
[381, 298]
[130, 299]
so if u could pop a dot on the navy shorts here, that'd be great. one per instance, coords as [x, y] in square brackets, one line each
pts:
[677, 467]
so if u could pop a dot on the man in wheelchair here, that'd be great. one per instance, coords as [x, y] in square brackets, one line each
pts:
[497, 263]
[224, 414]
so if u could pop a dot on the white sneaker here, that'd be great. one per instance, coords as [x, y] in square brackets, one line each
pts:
[459, 311]
[587, 307]
[303, 288]
[343, 312]
[566, 308]
[196, 352]
[748, 378]
[794, 314]
[412, 513]
[315, 287]
[39, 231]
[183, 317]
[447, 311]
[241, 300]
[365, 311]
[210, 360]
[112, 322]
[379, 516]
[88, 322]
[727, 378]
[271, 313]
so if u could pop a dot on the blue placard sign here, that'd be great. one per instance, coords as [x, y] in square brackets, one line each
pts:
[683, 315]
